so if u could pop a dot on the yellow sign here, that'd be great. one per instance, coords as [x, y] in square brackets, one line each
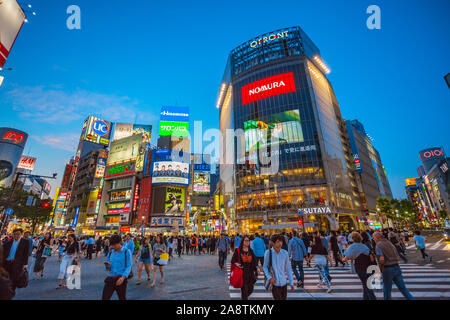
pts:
[411, 181]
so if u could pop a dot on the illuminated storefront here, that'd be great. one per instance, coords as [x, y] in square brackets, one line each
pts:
[288, 150]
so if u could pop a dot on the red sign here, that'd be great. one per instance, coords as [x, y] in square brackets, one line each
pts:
[136, 196]
[13, 136]
[433, 153]
[267, 87]
[125, 229]
[66, 177]
[27, 163]
[144, 200]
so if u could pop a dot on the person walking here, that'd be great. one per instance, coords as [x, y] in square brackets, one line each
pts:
[98, 246]
[334, 247]
[42, 253]
[71, 250]
[420, 245]
[237, 241]
[276, 267]
[320, 255]
[363, 258]
[15, 257]
[129, 243]
[259, 248]
[144, 256]
[89, 247]
[222, 247]
[119, 265]
[158, 248]
[297, 252]
[388, 260]
[394, 238]
[245, 259]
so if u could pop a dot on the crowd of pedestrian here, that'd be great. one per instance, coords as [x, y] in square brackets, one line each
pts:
[278, 257]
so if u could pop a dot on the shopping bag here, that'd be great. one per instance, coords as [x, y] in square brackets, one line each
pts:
[163, 259]
[237, 274]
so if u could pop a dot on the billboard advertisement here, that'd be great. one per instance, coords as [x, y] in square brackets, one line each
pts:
[411, 181]
[12, 142]
[100, 168]
[66, 177]
[174, 114]
[176, 129]
[175, 200]
[202, 182]
[12, 18]
[174, 121]
[170, 172]
[27, 163]
[144, 200]
[124, 149]
[124, 130]
[268, 87]
[96, 130]
[120, 170]
[430, 157]
[285, 127]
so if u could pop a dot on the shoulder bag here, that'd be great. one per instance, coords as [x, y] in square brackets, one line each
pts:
[236, 273]
[267, 283]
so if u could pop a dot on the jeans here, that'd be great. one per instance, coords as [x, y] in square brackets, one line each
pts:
[65, 263]
[222, 258]
[368, 294]
[394, 274]
[323, 274]
[298, 264]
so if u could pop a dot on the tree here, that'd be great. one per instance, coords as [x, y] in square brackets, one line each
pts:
[385, 206]
[32, 214]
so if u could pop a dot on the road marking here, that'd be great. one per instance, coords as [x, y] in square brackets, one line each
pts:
[436, 245]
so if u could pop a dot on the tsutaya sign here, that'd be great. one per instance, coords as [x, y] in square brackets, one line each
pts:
[318, 210]
[270, 38]
[267, 87]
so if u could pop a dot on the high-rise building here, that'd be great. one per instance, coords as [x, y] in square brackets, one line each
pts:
[370, 173]
[284, 144]
[12, 143]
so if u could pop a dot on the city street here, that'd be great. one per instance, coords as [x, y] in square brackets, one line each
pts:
[191, 277]
[199, 278]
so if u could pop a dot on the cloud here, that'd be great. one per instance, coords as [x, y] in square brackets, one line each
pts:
[68, 142]
[55, 105]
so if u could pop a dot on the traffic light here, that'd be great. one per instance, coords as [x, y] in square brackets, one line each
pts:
[45, 204]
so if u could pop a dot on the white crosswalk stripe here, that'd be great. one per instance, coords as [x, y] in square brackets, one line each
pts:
[423, 282]
[440, 245]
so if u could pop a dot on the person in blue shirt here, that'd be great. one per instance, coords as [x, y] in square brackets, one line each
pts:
[297, 252]
[420, 244]
[119, 264]
[222, 248]
[129, 243]
[259, 248]
[90, 247]
[280, 268]
[237, 241]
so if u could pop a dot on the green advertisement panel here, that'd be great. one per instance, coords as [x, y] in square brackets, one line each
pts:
[170, 128]
[175, 200]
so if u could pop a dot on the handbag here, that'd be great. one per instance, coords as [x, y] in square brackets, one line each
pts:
[163, 259]
[22, 279]
[267, 283]
[237, 274]
[47, 252]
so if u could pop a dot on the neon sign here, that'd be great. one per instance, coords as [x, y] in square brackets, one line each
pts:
[267, 87]
[272, 37]
[120, 170]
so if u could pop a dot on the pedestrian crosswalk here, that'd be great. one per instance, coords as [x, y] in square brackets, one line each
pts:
[423, 282]
[439, 245]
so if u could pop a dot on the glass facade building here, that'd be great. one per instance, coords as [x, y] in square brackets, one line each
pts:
[284, 143]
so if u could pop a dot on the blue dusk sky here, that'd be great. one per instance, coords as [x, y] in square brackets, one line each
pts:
[131, 57]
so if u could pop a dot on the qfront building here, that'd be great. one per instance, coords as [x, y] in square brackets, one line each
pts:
[285, 155]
